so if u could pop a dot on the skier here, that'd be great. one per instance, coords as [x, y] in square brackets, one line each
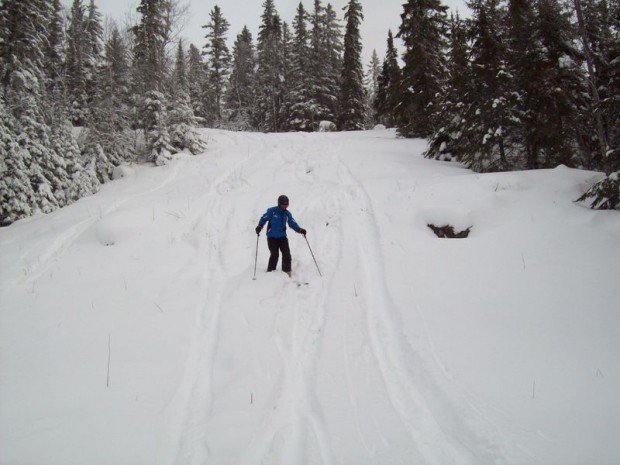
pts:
[277, 217]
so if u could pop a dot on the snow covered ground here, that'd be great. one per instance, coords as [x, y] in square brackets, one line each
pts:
[132, 332]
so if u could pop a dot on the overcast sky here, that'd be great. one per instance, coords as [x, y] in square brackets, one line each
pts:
[379, 16]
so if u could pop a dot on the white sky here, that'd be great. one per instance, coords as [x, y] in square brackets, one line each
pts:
[379, 16]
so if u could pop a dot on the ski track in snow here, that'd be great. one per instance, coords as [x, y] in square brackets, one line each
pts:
[292, 427]
[347, 368]
[388, 343]
[37, 267]
[296, 410]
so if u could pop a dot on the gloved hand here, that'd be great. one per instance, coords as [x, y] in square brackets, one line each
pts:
[258, 229]
[302, 231]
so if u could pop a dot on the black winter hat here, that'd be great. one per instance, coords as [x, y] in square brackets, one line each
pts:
[283, 200]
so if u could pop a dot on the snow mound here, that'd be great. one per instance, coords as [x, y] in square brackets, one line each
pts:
[379, 127]
[122, 171]
[326, 126]
[121, 227]
[106, 233]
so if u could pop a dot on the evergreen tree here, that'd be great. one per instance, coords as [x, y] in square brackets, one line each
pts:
[197, 83]
[423, 31]
[559, 101]
[240, 96]
[476, 109]
[25, 38]
[180, 70]
[325, 63]
[455, 100]
[218, 58]
[352, 98]
[77, 63]
[109, 142]
[149, 55]
[16, 195]
[387, 97]
[525, 58]
[93, 39]
[332, 47]
[287, 83]
[490, 102]
[149, 76]
[599, 30]
[322, 98]
[371, 83]
[269, 74]
[116, 73]
[54, 52]
[300, 102]
[158, 138]
[181, 117]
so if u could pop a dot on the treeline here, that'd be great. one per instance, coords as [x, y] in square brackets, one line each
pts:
[522, 84]
[137, 93]
[64, 81]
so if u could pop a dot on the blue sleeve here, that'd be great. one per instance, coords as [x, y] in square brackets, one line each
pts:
[266, 217]
[292, 223]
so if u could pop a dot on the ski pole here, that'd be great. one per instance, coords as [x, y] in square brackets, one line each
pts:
[317, 265]
[256, 257]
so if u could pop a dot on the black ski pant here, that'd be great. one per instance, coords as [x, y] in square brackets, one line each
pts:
[277, 244]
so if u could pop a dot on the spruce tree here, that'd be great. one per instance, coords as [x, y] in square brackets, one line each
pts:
[157, 121]
[240, 96]
[181, 117]
[16, 195]
[299, 101]
[564, 85]
[76, 64]
[149, 55]
[599, 31]
[109, 142]
[371, 83]
[423, 30]
[286, 52]
[388, 82]
[525, 58]
[218, 58]
[332, 46]
[149, 78]
[476, 110]
[455, 100]
[323, 97]
[269, 80]
[93, 39]
[197, 83]
[54, 53]
[488, 133]
[25, 82]
[352, 97]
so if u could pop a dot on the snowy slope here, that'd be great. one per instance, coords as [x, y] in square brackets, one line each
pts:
[132, 332]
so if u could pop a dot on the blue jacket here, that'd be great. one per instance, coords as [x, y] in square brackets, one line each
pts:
[277, 218]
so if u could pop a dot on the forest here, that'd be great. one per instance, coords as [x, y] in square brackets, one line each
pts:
[518, 85]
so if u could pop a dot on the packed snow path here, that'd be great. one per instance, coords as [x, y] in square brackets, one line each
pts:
[146, 340]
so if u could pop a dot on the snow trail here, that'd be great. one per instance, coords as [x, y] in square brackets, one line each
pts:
[397, 355]
[291, 428]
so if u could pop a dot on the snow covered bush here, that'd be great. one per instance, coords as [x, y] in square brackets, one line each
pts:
[326, 126]
[122, 171]
[155, 120]
[183, 134]
[606, 193]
